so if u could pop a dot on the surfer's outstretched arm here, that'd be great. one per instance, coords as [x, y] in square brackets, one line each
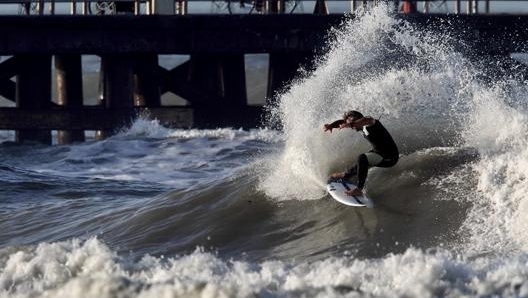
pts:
[335, 124]
[361, 122]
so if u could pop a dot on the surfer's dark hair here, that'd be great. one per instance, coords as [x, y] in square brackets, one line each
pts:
[353, 114]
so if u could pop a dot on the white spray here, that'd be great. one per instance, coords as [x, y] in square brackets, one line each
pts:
[427, 95]
[411, 95]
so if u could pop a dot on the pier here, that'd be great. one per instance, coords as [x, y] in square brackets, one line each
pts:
[212, 81]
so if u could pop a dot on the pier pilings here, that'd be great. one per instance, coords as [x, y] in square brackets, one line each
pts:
[221, 77]
[117, 78]
[33, 91]
[69, 90]
[147, 78]
[212, 82]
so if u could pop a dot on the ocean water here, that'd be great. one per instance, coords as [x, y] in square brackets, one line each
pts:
[159, 212]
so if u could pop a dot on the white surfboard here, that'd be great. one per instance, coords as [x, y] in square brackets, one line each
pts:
[337, 188]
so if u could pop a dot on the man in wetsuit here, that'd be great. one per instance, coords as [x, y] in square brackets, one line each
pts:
[383, 154]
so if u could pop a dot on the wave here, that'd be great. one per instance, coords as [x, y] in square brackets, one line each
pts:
[232, 217]
[384, 67]
[497, 129]
[90, 269]
[230, 213]
[428, 95]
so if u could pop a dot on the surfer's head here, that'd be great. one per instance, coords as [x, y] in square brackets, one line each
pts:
[352, 115]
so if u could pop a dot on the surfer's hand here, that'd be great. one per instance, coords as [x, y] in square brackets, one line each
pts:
[338, 175]
[328, 127]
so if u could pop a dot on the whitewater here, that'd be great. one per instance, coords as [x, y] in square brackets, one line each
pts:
[160, 212]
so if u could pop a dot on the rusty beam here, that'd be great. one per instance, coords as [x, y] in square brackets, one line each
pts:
[100, 118]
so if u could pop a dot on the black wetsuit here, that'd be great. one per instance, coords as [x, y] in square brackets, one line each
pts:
[382, 144]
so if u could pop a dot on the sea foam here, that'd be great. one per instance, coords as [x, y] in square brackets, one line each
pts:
[89, 268]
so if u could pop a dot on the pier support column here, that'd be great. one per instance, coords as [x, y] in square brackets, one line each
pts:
[233, 80]
[68, 72]
[320, 7]
[117, 85]
[220, 76]
[147, 81]
[282, 69]
[33, 91]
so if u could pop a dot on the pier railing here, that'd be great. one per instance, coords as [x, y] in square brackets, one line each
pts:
[180, 7]
[81, 7]
[147, 7]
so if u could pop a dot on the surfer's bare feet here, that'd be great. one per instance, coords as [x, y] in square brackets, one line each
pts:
[355, 192]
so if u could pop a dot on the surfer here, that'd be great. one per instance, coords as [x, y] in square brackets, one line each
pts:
[383, 154]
